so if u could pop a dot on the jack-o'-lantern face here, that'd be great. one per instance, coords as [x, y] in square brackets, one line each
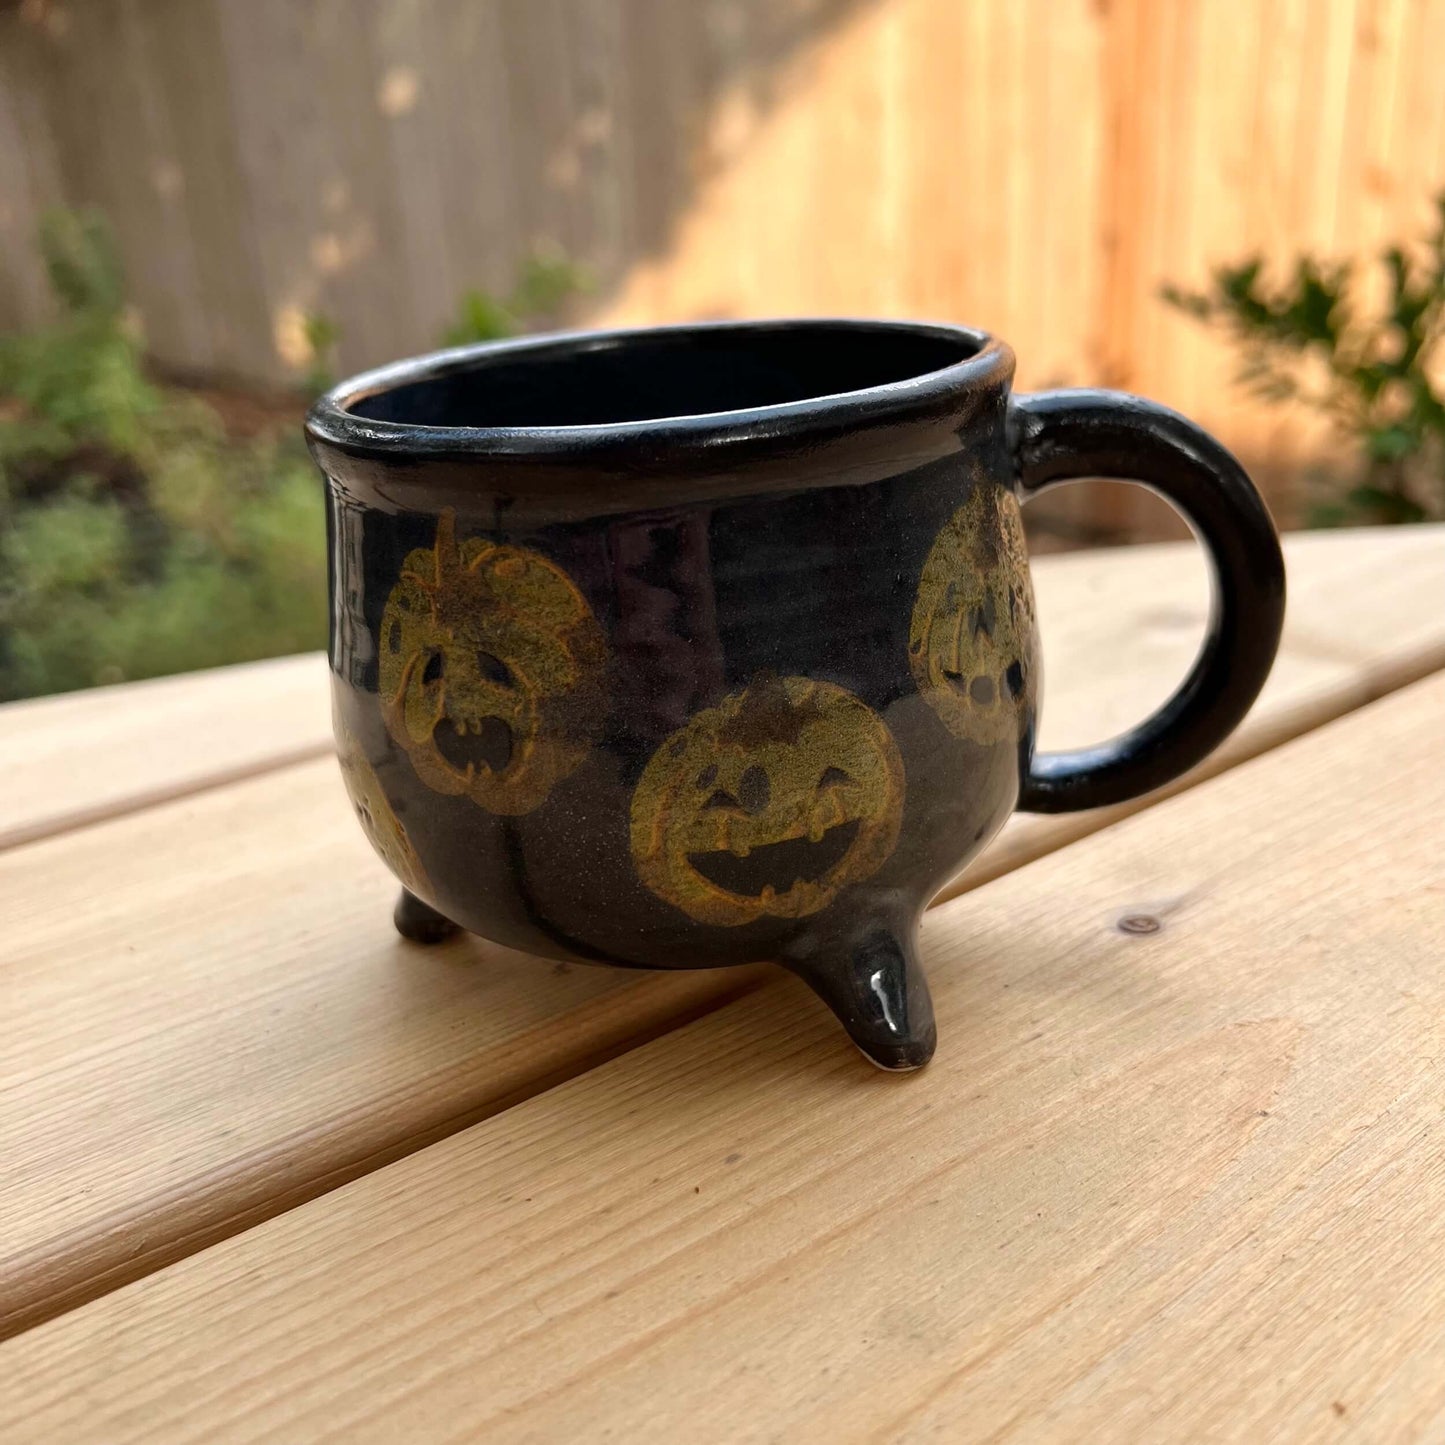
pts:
[971, 642]
[491, 671]
[378, 820]
[768, 804]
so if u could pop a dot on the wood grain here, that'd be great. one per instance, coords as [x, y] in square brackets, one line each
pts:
[209, 1018]
[69, 760]
[1173, 1184]
[1366, 615]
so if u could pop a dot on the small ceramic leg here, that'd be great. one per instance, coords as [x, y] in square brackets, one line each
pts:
[420, 922]
[876, 987]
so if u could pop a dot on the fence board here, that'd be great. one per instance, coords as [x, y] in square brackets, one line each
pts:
[1038, 168]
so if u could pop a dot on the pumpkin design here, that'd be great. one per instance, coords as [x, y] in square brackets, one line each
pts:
[768, 804]
[378, 820]
[971, 639]
[491, 670]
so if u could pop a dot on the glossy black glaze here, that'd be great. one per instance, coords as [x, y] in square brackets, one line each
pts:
[752, 602]
[1060, 436]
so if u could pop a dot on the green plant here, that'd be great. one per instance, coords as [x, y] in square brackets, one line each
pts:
[136, 537]
[545, 284]
[321, 334]
[1373, 374]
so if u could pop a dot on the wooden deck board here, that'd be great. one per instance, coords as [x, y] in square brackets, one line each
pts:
[70, 760]
[1179, 1184]
[1366, 616]
[209, 1018]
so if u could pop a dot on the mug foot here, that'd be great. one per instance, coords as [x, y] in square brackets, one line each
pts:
[875, 986]
[420, 922]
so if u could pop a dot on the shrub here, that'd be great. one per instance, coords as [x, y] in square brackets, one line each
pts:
[544, 286]
[1373, 375]
[136, 537]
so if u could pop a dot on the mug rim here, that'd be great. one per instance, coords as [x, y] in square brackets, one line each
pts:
[331, 423]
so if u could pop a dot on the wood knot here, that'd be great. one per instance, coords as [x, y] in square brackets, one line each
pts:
[1139, 923]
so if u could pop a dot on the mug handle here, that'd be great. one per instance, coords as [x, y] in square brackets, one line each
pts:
[1061, 436]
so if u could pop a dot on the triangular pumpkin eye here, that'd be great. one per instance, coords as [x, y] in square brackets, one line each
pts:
[494, 669]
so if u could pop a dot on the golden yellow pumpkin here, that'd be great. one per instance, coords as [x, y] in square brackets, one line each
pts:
[971, 639]
[768, 804]
[378, 819]
[491, 671]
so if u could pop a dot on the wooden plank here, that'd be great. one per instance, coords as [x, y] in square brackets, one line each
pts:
[291, 135]
[73, 759]
[466, 108]
[209, 1016]
[407, 99]
[30, 179]
[1364, 618]
[111, 141]
[235, 945]
[1171, 1184]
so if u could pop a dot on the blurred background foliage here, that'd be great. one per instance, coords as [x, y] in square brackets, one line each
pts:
[140, 534]
[137, 537]
[544, 289]
[1373, 371]
[143, 532]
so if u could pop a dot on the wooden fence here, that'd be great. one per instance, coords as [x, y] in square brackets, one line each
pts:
[1034, 166]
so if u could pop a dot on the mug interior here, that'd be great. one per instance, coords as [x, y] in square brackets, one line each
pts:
[660, 375]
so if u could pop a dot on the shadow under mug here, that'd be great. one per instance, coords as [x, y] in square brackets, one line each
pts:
[715, 644]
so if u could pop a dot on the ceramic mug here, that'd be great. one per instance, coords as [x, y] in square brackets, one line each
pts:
[712, 644]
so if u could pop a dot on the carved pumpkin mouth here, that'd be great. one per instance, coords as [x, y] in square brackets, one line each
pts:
[774, 868]
[471, 748]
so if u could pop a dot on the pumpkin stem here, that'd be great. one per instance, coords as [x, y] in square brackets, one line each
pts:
[448, 555]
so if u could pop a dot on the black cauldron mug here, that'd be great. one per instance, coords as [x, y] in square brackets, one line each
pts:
[713, 644]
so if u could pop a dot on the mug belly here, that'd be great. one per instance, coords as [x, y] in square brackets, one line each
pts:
[687, 738]
[694, 645]
[565, 880]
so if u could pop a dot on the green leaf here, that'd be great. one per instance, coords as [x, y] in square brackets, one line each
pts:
[1385, 506]
[1311, 313]
[547, 280]
[81, 262]
[1322, 515]
[139, 538]
[1390, 443]
[481, 317]
[1191, 303]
